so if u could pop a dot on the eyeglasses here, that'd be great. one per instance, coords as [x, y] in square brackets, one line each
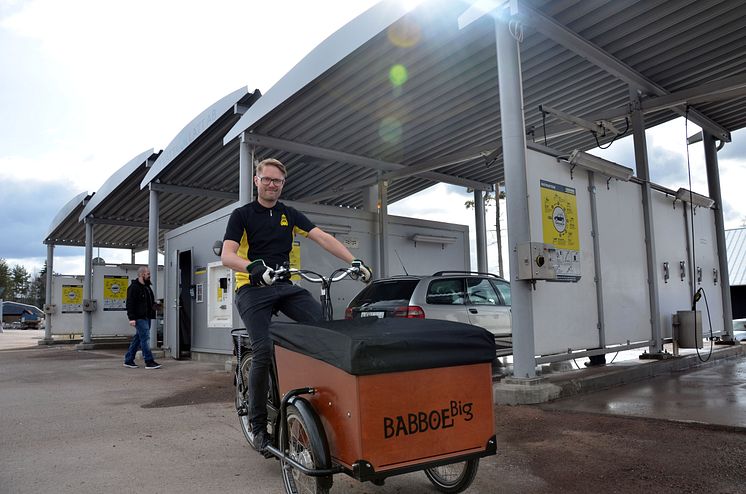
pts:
[274, 181]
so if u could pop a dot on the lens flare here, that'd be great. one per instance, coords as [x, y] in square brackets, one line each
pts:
[405, 33]
[398, 75]
[390, 130]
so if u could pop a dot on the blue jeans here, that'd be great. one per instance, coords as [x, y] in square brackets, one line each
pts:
[255, 305]
[141, 340]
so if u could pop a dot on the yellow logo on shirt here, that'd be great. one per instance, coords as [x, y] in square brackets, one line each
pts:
[283, 221]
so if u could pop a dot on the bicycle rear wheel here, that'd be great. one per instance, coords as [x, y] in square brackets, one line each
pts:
[242, 398]
[454, 477]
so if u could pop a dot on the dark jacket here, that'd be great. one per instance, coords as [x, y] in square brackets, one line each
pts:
[140, 301]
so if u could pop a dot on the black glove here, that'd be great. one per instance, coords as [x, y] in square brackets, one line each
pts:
[260, 274]
[364, 273]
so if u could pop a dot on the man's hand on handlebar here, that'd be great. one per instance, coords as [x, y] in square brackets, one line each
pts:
[260, 274]
[363, 271]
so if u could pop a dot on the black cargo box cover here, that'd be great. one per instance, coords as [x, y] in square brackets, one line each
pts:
[373, 346]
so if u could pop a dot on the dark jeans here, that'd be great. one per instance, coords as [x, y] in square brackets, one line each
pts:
[141, 340]
[255, 305]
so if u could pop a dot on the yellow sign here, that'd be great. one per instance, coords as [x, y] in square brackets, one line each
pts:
[115, 292]
[559, 216]
[72, 298]
[295, 258]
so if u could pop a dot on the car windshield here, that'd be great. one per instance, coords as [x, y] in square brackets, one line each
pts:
[385, 290]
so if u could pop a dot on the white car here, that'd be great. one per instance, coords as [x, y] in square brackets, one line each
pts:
[739, 329]
[481, 299]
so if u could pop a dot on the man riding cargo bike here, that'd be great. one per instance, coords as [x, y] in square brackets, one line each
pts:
[371, 398]
[258, 240]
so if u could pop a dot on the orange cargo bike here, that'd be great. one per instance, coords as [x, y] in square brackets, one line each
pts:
[374, 398]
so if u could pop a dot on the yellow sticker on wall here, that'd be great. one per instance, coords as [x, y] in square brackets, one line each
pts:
[559, 216]
[295, 258]
[72, 299]
[115, 292]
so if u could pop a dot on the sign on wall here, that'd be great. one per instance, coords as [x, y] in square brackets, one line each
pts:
[560, 228]
[72, 299]
[559, 216]
[115, 292]
[295, 259]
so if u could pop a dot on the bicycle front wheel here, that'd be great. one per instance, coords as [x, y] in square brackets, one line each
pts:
[454, 477]
[307, 446]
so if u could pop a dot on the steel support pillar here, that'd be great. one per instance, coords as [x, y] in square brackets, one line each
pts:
[88, 282]
[514, 157]
[370, 198]
[153, 219]
[598, 278]
[499, 232]
[48, 293]
[643, 173]
[246, 171]
[383, 228]
[481, 227]
[713, 183]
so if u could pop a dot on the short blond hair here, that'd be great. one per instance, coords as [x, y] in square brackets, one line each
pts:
[271, 162]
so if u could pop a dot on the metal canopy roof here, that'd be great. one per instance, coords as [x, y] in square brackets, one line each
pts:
[338, 121]
[194, 163]
[66, 228]
[118, 211]
[196, 172]
[337, 118]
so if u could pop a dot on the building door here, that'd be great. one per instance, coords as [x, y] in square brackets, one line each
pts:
[185, 292]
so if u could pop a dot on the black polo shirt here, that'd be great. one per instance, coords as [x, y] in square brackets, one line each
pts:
[265, 233]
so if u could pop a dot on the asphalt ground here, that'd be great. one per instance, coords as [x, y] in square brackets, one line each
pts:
[78, 422]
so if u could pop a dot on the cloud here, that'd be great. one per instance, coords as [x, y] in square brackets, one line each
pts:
[28, 208]
[735, 149]
[731, 185]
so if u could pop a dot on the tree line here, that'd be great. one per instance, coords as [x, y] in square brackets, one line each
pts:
[19, 285]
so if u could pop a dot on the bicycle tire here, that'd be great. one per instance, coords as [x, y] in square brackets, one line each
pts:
[307, 445]
[242, 396]
[454, 477]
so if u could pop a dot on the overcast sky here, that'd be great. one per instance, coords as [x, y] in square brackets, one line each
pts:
[86, 85]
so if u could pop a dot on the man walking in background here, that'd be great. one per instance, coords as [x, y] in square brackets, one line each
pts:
[140, 311]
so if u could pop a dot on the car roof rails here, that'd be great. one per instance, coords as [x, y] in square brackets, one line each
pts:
[444, 273]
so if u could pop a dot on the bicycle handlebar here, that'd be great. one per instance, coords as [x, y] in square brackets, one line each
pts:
[314, 277]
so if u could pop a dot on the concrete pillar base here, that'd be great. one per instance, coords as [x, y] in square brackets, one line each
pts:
[656, 356]
[726, 342]
[515, 391]
[156, 354]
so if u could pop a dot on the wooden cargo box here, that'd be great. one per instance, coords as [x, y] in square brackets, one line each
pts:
[393, 394]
